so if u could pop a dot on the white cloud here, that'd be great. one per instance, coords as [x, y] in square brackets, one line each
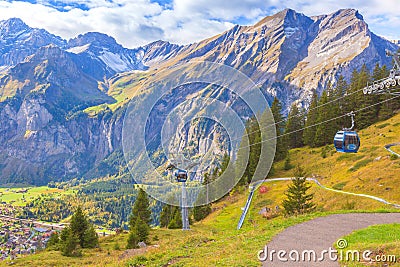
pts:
[138, 22]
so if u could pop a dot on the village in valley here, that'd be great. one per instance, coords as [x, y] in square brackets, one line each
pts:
[19, 237]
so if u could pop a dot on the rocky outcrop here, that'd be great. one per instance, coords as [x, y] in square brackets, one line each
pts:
[46, 84]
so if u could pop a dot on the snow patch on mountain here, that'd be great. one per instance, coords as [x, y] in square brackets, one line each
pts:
[79, 49]
[114, 61]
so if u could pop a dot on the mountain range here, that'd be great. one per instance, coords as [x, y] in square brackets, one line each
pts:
[62, 101]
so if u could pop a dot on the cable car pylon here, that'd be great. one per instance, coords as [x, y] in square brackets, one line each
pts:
[181, 176]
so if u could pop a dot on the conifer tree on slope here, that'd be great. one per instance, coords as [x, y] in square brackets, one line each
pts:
[79, 232]
[139, 224]
[339, 95]
[321, 135]
[281, 148]
[369, 115]
[249, 151]
[255, 148]
[298, 201]
[312, 119]
[141, 209]
[78, 225]
[294, 126]
[387, 108]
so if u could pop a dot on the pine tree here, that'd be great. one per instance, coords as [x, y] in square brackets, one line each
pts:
[201, 212]
[250, 146]
[79, 229]
[287, 166]
[54, 241]
[70, 244]
[294, 128]
[78, 225]
[141, 209]
[255, 148]
[139, 224]
[224, 164]
[241, 162]
[132, 241]
[387, 108]
[340, 91]
[281, 148]
[90, 238]
[142, 230]
[369, 115]
[333, 111]
[312, 118]
[176, 222]
[298, 201]
[321, 135]
[166, 215]
[351, 103]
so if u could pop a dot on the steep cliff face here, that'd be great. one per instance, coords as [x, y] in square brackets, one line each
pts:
[46, 84]
[37, 148]
[45, 135]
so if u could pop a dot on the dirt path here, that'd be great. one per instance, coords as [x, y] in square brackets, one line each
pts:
[320, 234]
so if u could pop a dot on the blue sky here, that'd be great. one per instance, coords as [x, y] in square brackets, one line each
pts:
[138, 22]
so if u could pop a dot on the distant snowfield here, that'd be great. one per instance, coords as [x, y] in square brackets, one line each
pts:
[114, 61]
[79, 49]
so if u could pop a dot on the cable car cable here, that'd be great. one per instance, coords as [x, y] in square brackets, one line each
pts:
[301, 113]
[323, 122]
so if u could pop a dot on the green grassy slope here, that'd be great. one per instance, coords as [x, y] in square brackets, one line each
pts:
[215, 241]
[382, 240]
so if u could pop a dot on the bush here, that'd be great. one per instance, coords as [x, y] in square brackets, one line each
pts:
[393, 157]
[287, 165]
[54, 242]
[133, 240]
[339, 186]
[201, 212]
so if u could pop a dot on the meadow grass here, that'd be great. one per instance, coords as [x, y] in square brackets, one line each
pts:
[379, 239]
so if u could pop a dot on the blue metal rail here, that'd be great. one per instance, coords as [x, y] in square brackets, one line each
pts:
[246, 208]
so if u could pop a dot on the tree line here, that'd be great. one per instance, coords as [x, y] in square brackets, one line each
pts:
[325, 116]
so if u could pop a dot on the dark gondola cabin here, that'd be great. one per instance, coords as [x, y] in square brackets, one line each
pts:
[181, 175]
[347, 142]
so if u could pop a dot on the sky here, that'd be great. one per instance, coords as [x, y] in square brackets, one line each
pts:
[137, 22]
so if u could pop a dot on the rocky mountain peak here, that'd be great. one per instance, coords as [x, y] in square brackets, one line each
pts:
[348, 12]
[285, 18]
[12, 26]
[18, 41]
[49, 63]
[94, 39]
